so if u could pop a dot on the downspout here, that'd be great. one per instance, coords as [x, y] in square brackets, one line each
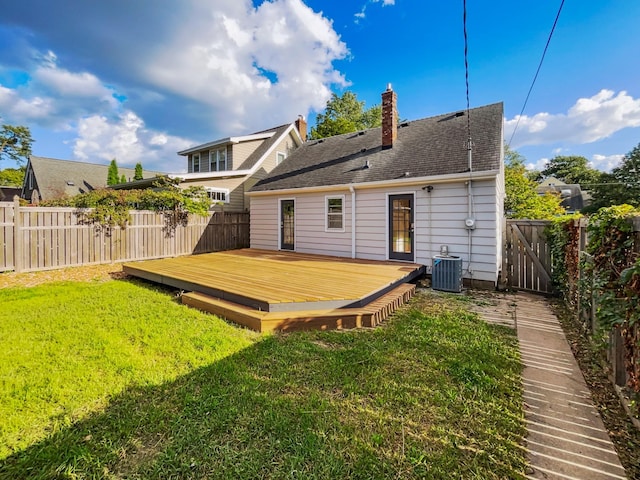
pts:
[470, 218]
[353, 221]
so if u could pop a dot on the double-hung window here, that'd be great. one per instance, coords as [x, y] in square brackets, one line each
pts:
[218, 160]
[195, 162]
[335, 213]
[217, 195]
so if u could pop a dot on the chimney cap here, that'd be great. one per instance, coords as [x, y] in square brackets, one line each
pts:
[389, 88]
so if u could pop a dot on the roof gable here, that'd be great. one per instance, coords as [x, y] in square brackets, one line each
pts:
[255, 159]
[427, 147]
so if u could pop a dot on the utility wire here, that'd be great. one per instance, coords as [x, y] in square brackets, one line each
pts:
[466, 66]
[537, 71]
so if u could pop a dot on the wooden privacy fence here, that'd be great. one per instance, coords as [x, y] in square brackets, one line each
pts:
[43, 238]
[527, 256]
[528, 266]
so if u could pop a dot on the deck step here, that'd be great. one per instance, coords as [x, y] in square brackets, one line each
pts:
[370, 315]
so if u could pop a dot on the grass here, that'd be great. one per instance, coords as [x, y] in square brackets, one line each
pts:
[434, 394]
[65, 348]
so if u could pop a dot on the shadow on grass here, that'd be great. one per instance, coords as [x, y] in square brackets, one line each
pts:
[421, 397]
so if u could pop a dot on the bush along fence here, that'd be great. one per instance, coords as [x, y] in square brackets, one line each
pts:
[43, 238]
[596, 268]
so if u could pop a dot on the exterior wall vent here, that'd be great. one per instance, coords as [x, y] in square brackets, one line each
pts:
[446, 274]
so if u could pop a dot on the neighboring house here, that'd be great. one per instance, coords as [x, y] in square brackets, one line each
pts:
[7, 193]
[399, 192]
[229, 167]
[573, 199]
[51, 178]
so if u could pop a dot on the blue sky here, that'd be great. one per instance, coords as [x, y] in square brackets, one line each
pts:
[138, 81]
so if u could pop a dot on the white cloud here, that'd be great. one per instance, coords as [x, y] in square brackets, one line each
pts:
[62, 82]
[363, 12]
[588, 120]
[128, 141]
[606, 162]
[16, 109]
[541, 164]
[205, 71]
[252, 67]
[55, 97]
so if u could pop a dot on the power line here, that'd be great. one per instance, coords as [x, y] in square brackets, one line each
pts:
[537, 71]
[466, 66]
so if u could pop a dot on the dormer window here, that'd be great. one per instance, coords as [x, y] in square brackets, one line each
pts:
[218, 160]
[280, 156]
[195, 162]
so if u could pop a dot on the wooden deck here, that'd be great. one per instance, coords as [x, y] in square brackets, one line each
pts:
[273, 290]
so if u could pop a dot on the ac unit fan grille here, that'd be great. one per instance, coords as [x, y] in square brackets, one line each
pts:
[446, 274]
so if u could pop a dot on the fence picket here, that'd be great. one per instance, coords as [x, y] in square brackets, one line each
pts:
[42, 238]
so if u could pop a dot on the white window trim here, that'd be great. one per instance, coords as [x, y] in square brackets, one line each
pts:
[216, 163]
[326, 213]
[284, 157]
[295, 224]
[218, 190]
[193, 163]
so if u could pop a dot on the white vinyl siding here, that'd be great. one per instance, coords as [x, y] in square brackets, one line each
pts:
[439, 220]
[264, 227]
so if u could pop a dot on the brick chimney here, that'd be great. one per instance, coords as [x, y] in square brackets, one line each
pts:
[389, 117]
[301, 125]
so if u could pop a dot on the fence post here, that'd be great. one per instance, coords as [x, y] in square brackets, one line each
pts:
[17, 237]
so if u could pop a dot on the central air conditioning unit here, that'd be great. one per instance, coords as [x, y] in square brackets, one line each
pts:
[446, 274]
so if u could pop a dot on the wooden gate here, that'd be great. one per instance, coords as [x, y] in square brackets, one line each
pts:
[527, 256]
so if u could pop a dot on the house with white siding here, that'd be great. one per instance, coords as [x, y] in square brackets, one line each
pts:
[403, 192]
[228, 167]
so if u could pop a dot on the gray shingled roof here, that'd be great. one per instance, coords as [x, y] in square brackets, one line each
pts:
[58, 178]
[428, 147]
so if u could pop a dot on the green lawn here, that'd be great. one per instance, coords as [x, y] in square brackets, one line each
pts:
[117, 380]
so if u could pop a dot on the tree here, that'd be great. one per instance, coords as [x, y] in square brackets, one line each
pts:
[113, 178]
[138, 173]
[345, 114]
[123, 179]
[620, 186]
[522, 199]
[572, 169]
[12, 177]
[15, 143]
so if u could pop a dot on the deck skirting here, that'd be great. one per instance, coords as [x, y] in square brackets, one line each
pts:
[370, 315]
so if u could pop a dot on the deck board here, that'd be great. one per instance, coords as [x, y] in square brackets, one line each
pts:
[280, 282]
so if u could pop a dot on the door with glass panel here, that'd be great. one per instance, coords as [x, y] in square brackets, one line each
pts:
[287, 224]
[401, 227]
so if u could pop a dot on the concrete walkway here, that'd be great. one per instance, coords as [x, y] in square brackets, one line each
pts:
[566, 437]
